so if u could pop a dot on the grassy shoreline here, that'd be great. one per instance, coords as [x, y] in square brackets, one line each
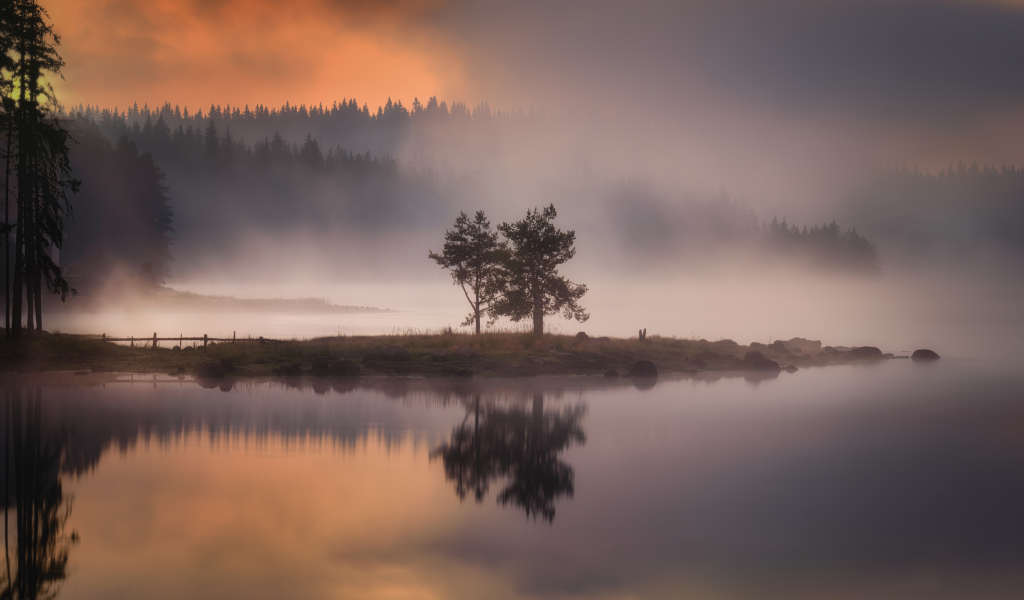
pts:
[438, 355]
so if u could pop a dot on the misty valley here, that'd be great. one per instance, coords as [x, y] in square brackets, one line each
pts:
[578, 300]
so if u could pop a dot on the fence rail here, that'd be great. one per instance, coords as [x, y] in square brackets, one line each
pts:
[155, 340]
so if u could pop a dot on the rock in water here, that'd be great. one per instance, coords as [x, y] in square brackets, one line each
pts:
[924, 355]
[209, 370]
[643, 368]
[395, 354]
[866, 353]
[345, 367]
[611, 374]
[791, 369]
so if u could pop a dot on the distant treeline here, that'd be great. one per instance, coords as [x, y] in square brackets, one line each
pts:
[962, 207]
[700, 225]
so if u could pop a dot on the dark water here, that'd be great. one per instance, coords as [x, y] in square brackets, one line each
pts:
[896, 480]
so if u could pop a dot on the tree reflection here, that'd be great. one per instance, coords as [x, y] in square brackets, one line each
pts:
[518, 445]
[38, 563]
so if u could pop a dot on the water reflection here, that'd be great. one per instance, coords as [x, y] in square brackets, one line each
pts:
[31, 459]
[509, 442]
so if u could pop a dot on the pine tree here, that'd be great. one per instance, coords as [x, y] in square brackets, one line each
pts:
[532, 286]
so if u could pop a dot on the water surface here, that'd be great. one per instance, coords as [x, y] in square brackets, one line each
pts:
[893, 480]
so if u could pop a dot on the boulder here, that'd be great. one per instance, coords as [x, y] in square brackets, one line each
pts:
[866, 353]
[727, 343]
[804, 345]
[643, 368]
[611, 374]
[582, 336]
[345, 367]
[779, 345]
[924, 355]
[395, 354]
[791, 369]
[321, 366]
[754, 361]
[757, 345]
[209, 370]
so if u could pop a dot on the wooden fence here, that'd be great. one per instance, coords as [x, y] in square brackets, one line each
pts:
[181, 339]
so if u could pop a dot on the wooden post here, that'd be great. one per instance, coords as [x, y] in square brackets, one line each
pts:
[154, 340]
[104, 337]
[204, 340]
[233, 338]
[181, 337]
[133, 341]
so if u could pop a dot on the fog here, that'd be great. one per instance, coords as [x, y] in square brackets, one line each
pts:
[667, 135]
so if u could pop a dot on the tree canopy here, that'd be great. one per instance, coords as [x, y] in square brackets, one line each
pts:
[474, 254]
[532, 285]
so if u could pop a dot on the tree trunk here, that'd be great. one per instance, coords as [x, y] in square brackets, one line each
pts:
[19, 270]
[478, 318]
[538, 315]
[39, 300]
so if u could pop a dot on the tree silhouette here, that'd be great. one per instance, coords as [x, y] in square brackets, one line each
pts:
[42, 169]
[517, 445]
[474, 255]
[532, 286]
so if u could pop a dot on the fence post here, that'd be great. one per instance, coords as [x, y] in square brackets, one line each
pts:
[204, 340]
[181, 337]
[234, 336]
[154, 340]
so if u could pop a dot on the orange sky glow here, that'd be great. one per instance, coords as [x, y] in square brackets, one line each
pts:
[194, 53]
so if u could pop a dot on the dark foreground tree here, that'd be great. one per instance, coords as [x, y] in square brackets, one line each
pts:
[532, 286]
[43, 172]
[474, 255]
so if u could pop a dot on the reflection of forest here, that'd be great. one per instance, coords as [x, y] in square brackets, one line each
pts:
[36, 563]
[520, 446]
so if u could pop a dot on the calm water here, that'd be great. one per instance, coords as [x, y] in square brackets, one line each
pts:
[896, 480]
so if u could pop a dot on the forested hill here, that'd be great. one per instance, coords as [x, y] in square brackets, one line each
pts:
[961, 208]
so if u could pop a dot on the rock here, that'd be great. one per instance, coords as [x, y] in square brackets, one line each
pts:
[643, 368]
[727, 343]
[924, 355]
[611, 374]
[791, 357]
[176, 348]
[866, 353]
[754, 361]
[188, 348]
[757, 345]
[395, 354]
[801, 345]
[791, 369]
[345, 367]
[86, 373]
[321, 366]
[779, 345]
[708, 356]
[888, 355]
[806, 357]
[209, 370]
[227, 365]
[582, 336]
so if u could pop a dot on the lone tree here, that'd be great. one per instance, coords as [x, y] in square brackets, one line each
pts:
[474, 255]
[532, 285]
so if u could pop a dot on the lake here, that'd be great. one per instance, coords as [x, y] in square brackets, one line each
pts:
[887, 480]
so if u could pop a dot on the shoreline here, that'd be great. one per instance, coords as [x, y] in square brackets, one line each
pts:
[488, 355]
